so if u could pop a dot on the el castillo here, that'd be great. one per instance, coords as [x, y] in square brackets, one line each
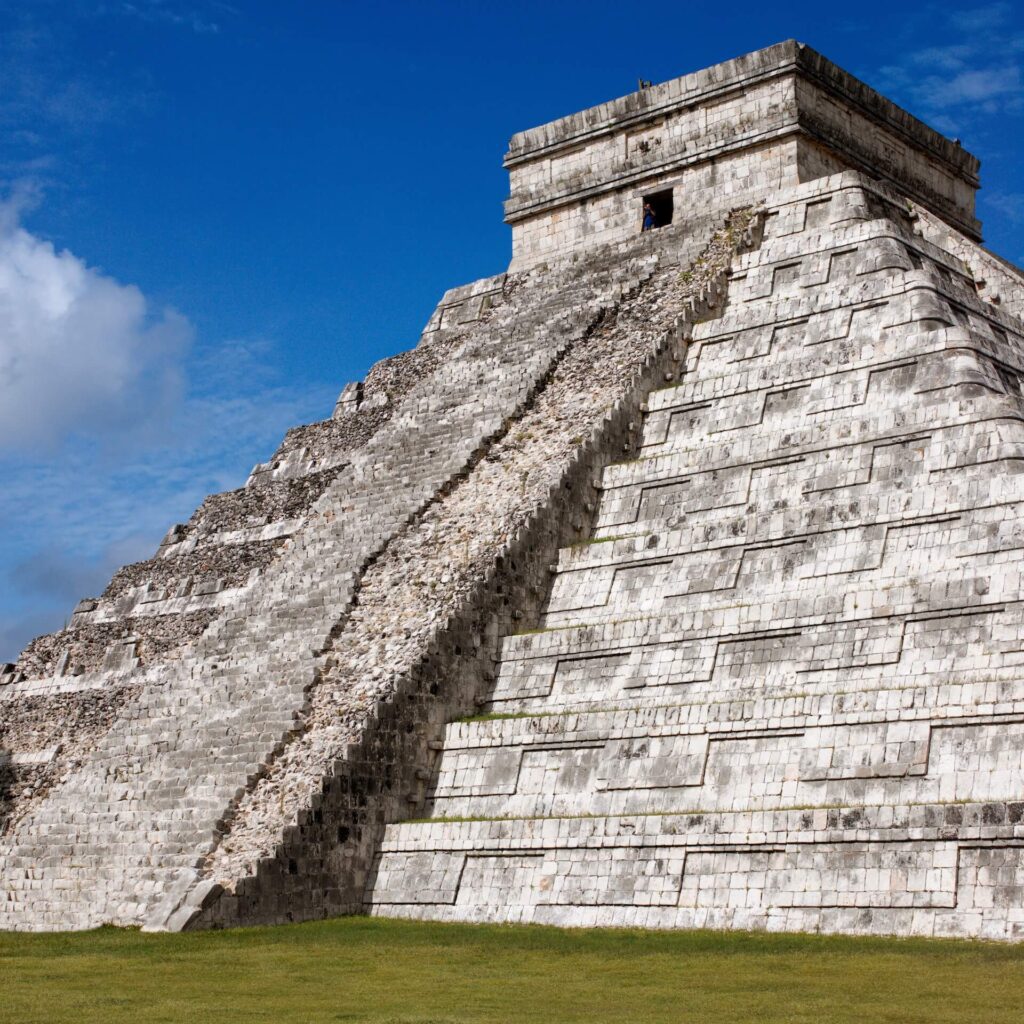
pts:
[671, 581]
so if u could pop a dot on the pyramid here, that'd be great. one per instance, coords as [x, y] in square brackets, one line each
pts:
[669, 581]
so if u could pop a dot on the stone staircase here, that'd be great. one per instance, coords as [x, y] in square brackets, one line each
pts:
[779, 687]
[126, 818]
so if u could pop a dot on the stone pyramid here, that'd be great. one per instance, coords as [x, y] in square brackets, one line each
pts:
[671, 580]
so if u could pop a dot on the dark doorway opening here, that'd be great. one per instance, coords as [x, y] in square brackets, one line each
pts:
[657, 207]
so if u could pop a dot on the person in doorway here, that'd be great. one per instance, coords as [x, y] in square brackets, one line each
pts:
[649, 221]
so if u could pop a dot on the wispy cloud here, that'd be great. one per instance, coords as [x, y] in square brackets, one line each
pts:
[204, 18]
[1009, 204]
[53, 103]
[52, 98]
[954, 85]
[981, 19]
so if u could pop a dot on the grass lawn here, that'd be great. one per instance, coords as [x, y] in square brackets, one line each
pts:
[361, 969]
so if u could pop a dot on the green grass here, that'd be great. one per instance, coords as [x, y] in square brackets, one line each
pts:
[360, 969]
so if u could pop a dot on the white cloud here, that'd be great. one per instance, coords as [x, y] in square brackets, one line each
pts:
[64, 576]
[981, 19]
[200, 18]
[970, 87]
[956, 85]
[80, 353]
[73, 514]
[1009, 204]
[945, 58]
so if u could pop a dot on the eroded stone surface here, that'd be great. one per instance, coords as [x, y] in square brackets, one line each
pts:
[715, 523]
[779, 687]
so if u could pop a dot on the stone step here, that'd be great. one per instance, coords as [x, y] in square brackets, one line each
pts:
[945, 869]
[756, 763]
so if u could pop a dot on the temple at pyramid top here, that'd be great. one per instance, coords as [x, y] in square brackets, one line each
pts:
[774, 118]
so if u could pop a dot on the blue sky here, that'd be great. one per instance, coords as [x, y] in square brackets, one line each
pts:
[213, 215]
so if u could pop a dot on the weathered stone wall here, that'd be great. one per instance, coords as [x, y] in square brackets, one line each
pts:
[51, 731]
[152, 610]
[764, 121]
[234, 536]
[610, 217]
[174, 767]
[420, 646]
[997, 281]
[780, 686]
